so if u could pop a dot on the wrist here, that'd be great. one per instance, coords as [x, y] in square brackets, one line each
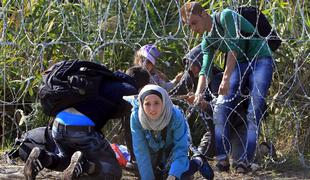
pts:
[199, 91]
[197, 94]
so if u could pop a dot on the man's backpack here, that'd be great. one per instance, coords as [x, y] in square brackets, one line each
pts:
[259, 21]
[69, 82]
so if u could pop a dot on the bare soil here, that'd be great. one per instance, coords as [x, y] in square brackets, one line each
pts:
[15, 171]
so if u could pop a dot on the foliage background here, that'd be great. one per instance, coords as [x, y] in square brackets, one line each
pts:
[38, 33]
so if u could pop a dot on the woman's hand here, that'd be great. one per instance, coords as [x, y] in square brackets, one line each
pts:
[170, 177]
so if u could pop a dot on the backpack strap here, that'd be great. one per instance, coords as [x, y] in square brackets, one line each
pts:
[218, 21]
[219, 25]
[164, 134]
[163, 150]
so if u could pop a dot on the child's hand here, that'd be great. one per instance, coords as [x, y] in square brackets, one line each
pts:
[190, 99]
[204, 105]
[178, 77]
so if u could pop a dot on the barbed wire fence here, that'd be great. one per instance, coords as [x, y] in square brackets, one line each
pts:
[36, 34]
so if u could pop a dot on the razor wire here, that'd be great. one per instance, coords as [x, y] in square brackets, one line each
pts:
[105, 26]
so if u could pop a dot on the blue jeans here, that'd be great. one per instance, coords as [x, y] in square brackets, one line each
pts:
[94, 147]
[256, 76]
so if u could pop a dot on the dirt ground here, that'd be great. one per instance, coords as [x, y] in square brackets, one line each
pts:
[9, 172]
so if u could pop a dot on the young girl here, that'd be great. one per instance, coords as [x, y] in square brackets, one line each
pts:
[146, 56]
[160, 136]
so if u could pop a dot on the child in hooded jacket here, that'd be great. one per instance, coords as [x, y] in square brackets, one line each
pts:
[147, 56]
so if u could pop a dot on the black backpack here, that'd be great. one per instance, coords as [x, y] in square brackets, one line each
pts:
[69, 82]
[259, 21]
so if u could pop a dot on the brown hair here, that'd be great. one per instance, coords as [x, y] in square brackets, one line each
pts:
[137, 59]
[190, 8]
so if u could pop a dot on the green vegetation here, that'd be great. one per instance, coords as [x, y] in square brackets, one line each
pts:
[38, 33]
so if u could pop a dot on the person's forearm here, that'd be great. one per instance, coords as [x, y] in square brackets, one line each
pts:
[230, 65]
[201, 84]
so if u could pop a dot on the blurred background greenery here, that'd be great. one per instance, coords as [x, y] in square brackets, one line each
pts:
[38, 33]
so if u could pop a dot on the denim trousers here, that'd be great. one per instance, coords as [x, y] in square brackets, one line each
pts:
[94, 147]
[255, 75]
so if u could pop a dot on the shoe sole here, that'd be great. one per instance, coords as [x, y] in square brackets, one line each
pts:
[29, 166]
[242, 168]
[68, 173]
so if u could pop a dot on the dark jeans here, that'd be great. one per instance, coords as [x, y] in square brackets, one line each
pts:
[207, 142]
[127, 136]
[237, 137]
[94, 147]
[255, 75]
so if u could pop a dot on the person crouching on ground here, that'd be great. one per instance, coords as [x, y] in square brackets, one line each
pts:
[160, 136]
[84, 152]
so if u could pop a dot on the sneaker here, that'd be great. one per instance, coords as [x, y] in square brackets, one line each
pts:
[223, 166]
[33, 165]
[242, 168]
[75, 169]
